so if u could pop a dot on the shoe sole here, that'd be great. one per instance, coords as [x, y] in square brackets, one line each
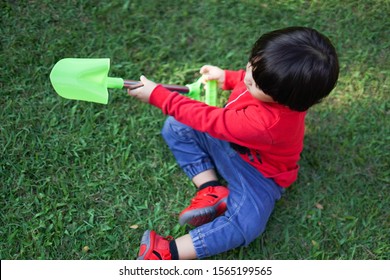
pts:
[147, 240]
[201, 216]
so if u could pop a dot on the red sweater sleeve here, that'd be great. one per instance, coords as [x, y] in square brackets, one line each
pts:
[232, 78]
[242, 127]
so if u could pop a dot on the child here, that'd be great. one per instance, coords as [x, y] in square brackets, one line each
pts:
[253, 143]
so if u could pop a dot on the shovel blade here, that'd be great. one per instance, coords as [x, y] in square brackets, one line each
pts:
[81, 79]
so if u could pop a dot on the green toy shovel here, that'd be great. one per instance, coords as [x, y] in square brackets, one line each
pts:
[86, 79]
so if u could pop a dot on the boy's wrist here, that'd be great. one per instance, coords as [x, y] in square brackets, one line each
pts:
[158, 96]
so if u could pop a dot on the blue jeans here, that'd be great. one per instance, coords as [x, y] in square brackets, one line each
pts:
[251, 199]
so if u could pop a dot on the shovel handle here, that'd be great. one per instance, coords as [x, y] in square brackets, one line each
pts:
[131, 84]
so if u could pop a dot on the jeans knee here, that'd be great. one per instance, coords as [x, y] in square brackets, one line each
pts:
[252, 230]
[175, 131]
[249, 223]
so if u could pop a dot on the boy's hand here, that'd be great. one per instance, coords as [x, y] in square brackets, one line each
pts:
[143, 93]
[210, 72]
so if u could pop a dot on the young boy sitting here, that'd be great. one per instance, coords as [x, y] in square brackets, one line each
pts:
[253, 143]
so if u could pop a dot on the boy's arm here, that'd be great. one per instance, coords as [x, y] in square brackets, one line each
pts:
[232, 78]
[243, 127]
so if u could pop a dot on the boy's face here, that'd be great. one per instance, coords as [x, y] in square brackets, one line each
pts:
[252, 87]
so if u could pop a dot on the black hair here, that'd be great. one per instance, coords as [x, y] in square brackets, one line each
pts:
[296, 66]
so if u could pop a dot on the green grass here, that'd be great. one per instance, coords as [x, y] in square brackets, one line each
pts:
[76, 174]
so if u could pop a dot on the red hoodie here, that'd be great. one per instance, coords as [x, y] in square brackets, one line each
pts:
[270, 134]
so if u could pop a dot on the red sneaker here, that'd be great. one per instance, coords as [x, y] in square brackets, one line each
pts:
[208, 204]
[154, 247]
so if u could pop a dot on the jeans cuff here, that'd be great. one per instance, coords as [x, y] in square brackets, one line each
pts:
[195, 168]
[197, 242]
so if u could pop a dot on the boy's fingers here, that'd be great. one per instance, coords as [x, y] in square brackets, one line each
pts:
[205, 78]
[204, 69]
[132, 92]
[143, 79]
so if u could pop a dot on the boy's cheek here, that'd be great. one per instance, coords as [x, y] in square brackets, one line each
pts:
[247, 80]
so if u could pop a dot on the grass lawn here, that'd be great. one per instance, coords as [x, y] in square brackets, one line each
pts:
[80, 180]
